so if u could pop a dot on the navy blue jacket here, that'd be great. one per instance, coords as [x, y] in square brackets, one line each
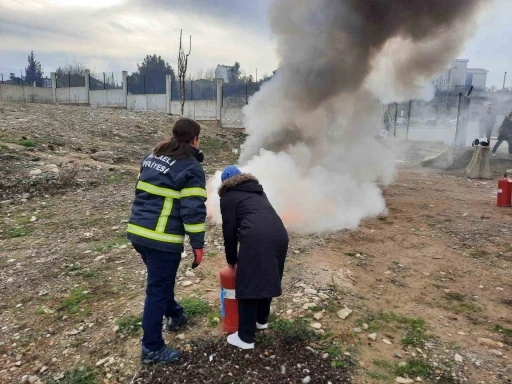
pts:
[169, 202]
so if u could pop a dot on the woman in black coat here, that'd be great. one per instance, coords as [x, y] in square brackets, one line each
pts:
[504, 134]
[248, 218]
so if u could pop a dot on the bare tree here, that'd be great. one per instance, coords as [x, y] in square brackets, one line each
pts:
[199, 74]
[209, 74]
[182, 70]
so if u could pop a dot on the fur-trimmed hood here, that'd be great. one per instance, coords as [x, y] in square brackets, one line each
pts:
[236, 181]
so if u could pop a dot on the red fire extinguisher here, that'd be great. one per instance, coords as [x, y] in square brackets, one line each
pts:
[504, 192]
[228, 302]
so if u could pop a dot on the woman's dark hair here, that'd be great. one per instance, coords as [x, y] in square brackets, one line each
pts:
[184, 131]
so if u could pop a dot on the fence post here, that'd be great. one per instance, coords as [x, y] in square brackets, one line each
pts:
[54, 87]
[104, 82]
[144, 84]
[408, 120]
[168, 92]
[219, 99]
[125, 88]
[87, 86]
[396, 116]
[34, 84]
[246, 93]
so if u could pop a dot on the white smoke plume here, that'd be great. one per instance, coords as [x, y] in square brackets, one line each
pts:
[314, 128]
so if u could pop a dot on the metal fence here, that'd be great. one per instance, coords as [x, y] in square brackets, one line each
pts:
[201, 89]
[105, 80]
[238, 94]
[69, 80]
[450, 117]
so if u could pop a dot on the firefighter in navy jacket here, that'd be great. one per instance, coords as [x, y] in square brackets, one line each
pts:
[169, 203]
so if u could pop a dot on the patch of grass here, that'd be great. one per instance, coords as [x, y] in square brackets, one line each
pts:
[209, 144]
[27, 143]
[458, 304]
[71, 303]
[478, 253]
[415, 333]
[18, 232]
[82, 375]
[334, 351]
[40, 311]
[58, 142]
[212, 319]
[294, 330]
[380, 377]
[384, 364]
[26, 299]
[340, 364]
[505, 332]
[455, 296]
[500, 329]
[212, 254]
[105, 247]
[114, 179]
[194, 307]
[88, 274]
[4, 148]
[414, 368]
[129, 324]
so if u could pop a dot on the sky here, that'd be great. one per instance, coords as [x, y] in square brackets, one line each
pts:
[115, 35]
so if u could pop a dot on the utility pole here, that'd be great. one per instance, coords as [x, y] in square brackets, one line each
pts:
[504, 78]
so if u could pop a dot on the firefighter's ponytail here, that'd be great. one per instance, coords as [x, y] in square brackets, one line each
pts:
[178, 147]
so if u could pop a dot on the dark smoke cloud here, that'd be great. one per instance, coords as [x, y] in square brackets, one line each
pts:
[327, 46]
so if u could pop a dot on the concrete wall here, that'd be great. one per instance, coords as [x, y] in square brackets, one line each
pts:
[74, 95]
[196, 109]
[147, 103]
[25, 94]
[107, 98]
[231, 117]
[157, 102]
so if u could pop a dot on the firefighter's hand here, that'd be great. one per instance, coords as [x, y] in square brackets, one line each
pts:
[198, 257]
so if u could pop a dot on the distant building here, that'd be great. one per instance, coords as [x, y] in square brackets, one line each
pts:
[47, 82]
[459, 76]
[222, 72]
[476, 77]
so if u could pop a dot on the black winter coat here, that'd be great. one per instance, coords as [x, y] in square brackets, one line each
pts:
[505, 130]
[249, 218]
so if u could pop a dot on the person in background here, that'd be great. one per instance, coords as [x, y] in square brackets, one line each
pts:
[249, 219]
[169, 202]
[504, 134]
[487, 121]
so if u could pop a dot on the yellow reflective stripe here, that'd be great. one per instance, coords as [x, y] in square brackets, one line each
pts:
[189, 192]
[195, 228]
[164, 215]
[153, 235]
[159, 191]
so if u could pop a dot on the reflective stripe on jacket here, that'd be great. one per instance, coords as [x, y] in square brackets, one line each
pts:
[169, 202]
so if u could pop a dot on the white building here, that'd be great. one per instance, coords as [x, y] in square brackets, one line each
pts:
[476, 77]
[222, 72]
[458, 75]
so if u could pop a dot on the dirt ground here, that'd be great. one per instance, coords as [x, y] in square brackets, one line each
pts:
[425, 291]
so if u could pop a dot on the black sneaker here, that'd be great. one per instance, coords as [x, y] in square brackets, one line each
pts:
[174, 324]
[164, 355]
